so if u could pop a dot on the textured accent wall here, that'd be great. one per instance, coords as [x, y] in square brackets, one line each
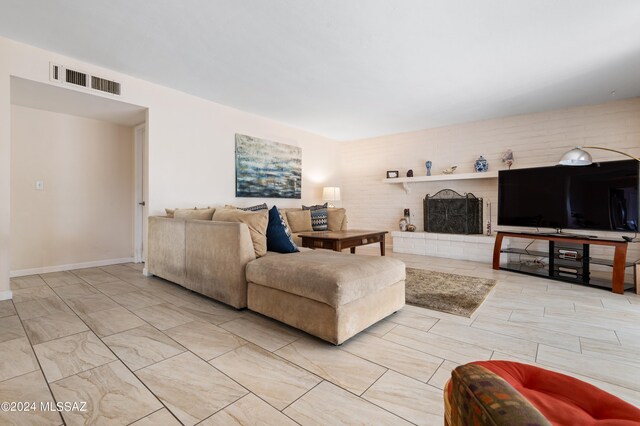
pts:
[536, 139]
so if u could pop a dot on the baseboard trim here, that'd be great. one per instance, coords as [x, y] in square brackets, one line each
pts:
[58, 268]
[6, 295]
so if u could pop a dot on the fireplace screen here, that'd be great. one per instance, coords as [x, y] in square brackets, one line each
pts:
[448, 212]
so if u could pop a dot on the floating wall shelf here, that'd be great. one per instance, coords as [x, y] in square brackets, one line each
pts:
[405, 181]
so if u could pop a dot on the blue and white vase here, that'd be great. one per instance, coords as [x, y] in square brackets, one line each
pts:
[481, 165]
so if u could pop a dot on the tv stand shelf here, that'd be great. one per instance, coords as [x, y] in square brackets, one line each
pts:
[618, 262]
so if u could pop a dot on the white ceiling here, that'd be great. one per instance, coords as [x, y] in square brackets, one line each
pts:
[355, 68]
[58, 99]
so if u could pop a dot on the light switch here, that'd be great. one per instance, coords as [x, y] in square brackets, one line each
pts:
[39, 185]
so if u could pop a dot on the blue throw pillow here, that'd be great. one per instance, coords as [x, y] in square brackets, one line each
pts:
[278, 234]
[320, 219]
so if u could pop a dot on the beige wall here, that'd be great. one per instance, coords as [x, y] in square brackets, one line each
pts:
[5, 178]
[85, 212]
[190, 142]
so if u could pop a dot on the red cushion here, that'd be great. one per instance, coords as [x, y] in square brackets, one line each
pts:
[564, 400]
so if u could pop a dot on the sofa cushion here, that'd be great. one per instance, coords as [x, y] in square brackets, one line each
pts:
[561, 399]
[335, 219]
[278, 234]
[256, 221]
[319, 219]
[170, 212]
[299, 220]
[198, 214]
[326, 276]
[477, 396]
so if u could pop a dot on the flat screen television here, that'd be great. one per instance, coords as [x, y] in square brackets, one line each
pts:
[602, 196]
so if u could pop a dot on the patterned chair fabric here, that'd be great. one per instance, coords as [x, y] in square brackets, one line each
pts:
[481, 397]
[511, 393]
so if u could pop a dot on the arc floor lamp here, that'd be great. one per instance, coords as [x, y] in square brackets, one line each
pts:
[579, 157]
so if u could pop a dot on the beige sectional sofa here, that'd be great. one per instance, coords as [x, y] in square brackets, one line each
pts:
[330, 295]
[202, 255]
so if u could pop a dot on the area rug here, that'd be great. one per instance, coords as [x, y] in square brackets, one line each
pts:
[451, 293]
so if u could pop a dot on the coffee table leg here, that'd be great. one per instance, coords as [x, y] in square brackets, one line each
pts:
[353, 250]
[382, 246]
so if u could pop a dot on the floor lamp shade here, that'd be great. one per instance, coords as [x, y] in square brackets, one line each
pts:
[579, 157]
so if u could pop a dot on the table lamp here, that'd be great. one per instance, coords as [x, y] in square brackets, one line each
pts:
[330, 194]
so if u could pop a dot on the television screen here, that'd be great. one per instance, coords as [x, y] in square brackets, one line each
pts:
[602, 196]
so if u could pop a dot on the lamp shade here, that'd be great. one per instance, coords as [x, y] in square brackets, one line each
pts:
[576, 157]
[331, 193]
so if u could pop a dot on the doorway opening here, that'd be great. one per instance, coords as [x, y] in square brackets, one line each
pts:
[78, 172]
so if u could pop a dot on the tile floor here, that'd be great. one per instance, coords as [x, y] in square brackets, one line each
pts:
[144, 351]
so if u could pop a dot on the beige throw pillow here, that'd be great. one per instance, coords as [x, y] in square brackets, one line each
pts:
[256, 221]
[199, 214]
[335, 219]
[299, 220]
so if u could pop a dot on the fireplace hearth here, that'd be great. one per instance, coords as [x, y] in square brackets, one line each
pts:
[448, 212]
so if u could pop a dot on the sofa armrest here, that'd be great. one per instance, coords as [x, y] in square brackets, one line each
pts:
[166, 248]
[217, 254]
[479, 396]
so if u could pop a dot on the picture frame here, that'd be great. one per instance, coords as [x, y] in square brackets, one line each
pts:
[392, 174]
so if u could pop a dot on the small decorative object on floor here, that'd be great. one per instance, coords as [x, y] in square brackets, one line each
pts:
[392, 174]
[410, 173]
[411, 227]
[428, 164]
[449, 170]
[481, 165]
[405, 222]
[507, 158]
[407, 215]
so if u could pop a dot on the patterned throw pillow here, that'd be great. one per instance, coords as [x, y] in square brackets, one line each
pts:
[320, 219]
[278, 234]
[316, 207]
[255, 208]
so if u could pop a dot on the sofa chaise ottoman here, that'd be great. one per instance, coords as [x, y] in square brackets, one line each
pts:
[330, 295]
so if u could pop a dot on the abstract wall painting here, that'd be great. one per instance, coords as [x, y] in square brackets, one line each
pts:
[267, 169]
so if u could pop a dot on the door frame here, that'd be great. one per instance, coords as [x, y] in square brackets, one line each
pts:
[140, 214]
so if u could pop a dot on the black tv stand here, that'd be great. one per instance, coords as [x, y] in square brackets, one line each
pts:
[619, 263]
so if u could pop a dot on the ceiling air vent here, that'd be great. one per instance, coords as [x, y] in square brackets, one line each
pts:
[105, 85]
[76, 77]
[55, 72]
[60, 74]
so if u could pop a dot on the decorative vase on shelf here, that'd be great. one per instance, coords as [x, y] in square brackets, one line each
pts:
[428, 164]
[410, 173]
[507, 158]
[481, 165]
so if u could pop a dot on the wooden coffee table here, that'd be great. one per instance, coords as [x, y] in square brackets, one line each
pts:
[340, 240]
